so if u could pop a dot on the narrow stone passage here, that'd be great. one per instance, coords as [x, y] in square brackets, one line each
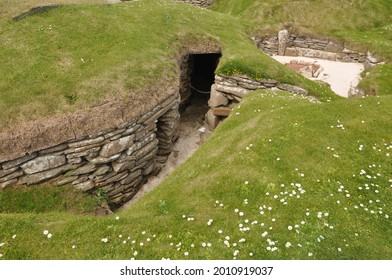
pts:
[193, 132]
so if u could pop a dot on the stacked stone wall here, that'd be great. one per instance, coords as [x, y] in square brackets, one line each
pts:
[117, 161]
[200, 3]
[287, 44]
[228, 91]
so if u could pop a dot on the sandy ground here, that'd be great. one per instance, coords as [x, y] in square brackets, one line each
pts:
[192, 134]
[340, 75]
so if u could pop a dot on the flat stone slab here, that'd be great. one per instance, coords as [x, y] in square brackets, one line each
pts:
[46, 175]
[117, 146]
[221, 111]
[43, 163]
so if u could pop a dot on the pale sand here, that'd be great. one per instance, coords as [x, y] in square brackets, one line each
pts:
[340, 75]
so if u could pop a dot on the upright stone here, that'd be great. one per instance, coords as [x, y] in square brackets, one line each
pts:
[217, 98]
[283, 37]
[211, 120]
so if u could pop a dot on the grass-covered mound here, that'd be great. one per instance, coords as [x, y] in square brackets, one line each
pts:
[281, 178]
[363, 25]
[78, 56]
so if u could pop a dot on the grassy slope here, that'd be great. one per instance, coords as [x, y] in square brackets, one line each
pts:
[10, 9]
[79, 56]
[238, 168]
[364, 25]
[46, 198]
[240, 162]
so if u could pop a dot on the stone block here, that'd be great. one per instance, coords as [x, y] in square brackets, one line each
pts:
[317, 54]
[333, 47]
[211, 120]
[55, 149]
[283, 37]
[147, 157]
[5, 172]
[66, 180]
[161, 158]
[293, 89]
[87, 152]
[131, 176]
[132, 129]
[102, 170]
[43, 163]
[85, 186]
[268, 82]
[146, 149]
[46, 175]
[117, 189]
[85, 169]
[115, 147]
[291, 52]
[217, 98]
[221, 111]
[114, 133]
[371, 58]
[250, 86]
[141, 143]
[80, 179]
[18, 161]
[102, 160]
[87, 142]
[75, 160]
[8, 183]
[117, 177]
[149, 169]
[237, 91]
[120, 166]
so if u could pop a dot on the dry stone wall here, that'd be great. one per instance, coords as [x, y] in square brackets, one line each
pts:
[200, 3]
[295, 45]
[117, 160]
[228, 91]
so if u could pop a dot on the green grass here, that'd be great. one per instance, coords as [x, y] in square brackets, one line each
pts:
[78, 56]
[11, 8]
[363, 24]
[316, 177]
[45, 198]
[377, 81]
[274, 148]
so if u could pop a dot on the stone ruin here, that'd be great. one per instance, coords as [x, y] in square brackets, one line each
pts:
[306, 69]
[115, 152]
[288, 44]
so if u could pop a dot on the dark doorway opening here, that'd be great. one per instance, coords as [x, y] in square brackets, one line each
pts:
[203, 71]
[197, 77]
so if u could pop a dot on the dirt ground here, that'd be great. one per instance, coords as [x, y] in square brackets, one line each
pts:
[340, 75]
